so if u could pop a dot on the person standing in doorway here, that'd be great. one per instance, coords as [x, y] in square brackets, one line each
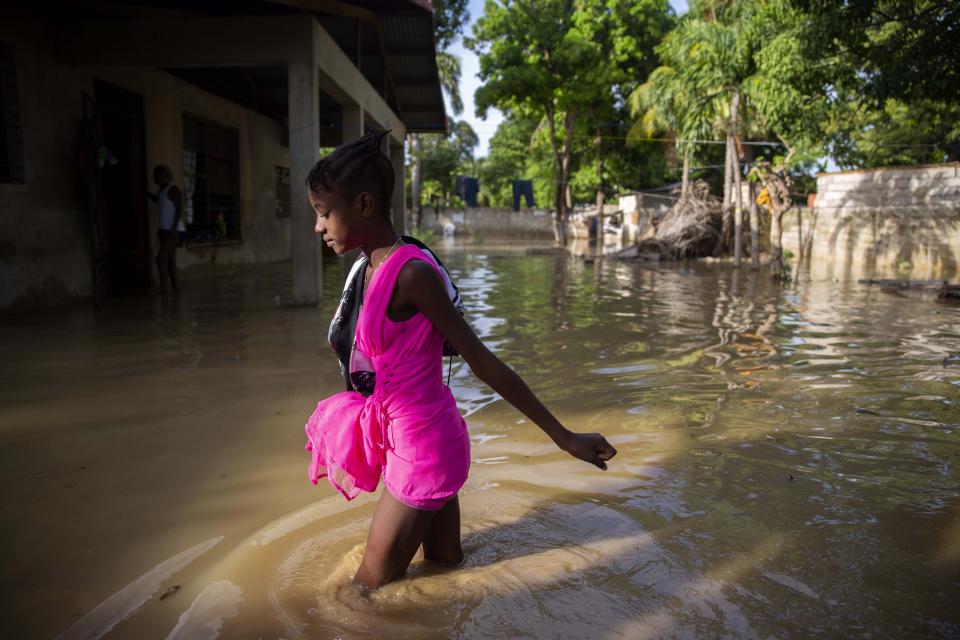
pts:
[172, 230]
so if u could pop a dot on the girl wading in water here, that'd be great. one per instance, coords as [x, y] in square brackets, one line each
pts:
[400, 421]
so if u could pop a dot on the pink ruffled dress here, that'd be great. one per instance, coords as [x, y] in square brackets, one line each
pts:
[409, 431]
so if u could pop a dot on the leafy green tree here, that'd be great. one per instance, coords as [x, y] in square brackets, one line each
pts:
[510, 150]
[448, 66]
[444, 157]
[793, 91]
[449, 70]
[896, 133]
[622, 37]
[558, 60]
[868, 82]
[671, 102]
[526, 63]
[907, 50]
[701, 87]
[450, 17]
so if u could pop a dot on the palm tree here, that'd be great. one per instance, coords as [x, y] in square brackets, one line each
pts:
[700, 89]
[667, 102]
[448, 68]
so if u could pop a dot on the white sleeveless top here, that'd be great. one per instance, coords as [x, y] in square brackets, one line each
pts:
[168, 211]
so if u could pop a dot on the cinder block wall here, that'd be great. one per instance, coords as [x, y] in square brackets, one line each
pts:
[490, 221]
[896, 221]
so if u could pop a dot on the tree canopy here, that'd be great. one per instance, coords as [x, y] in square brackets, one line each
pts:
[568, 65]
[443, 158]
[606, 96]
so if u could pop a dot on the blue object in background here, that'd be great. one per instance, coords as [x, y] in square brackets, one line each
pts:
[467, 188]
[522, 188]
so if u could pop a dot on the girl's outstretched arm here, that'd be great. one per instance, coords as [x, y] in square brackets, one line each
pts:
[419, 288]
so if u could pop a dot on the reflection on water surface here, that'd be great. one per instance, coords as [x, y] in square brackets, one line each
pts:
[787, 467]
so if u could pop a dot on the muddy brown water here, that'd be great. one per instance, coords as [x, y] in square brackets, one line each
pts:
[787, 467]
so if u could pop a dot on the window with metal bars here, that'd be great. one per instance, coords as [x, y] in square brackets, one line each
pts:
[216, 192]
[282, 191]
[11, 129]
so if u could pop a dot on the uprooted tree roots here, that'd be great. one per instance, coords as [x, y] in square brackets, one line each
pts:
[689, 229]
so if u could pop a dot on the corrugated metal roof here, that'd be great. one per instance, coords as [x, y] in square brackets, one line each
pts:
[404, 32]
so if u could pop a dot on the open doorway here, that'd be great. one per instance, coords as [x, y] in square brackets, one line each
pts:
[123, 189]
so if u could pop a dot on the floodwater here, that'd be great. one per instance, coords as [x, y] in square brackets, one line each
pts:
[788, 464]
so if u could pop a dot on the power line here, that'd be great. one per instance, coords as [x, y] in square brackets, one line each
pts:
[755, 143]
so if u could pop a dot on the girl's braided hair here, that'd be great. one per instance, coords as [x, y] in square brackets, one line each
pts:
[356, 167]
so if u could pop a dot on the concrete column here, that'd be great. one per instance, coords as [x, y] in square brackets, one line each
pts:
[399, 197]
[304, 117]
[353, 123]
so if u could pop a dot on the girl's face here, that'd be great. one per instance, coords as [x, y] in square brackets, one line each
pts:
[339, 221]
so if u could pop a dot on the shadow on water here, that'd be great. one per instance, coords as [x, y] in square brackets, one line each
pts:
[580, 562]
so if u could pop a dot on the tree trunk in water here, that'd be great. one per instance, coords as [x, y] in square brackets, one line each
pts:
[567, 155]
[727, 211]
[737, 191]
[559, 228]
[779, 192]
[568, 120]
[777, 181]
[685, 179]
[754, 228]
[738, 212]
[416, 179]
[599, 142]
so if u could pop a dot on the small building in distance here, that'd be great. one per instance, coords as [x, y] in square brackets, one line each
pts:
[237, 98]
[641, 208]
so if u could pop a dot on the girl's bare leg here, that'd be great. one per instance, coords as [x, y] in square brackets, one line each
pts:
[395, 535]
[441, 543]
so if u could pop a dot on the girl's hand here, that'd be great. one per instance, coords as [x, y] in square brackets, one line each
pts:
[590, 447]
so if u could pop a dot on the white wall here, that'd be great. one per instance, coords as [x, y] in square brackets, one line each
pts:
[491, 221]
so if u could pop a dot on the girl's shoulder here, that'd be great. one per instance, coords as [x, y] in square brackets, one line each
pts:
[411, 260]
[408, 256]
[416, 271]
[453, 291]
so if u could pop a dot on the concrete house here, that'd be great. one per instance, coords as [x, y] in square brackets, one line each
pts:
[237, 98]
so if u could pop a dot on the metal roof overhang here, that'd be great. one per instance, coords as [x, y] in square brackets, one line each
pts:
[391, 42]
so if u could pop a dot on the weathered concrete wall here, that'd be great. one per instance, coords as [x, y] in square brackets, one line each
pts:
[884, 221]
[491, 221]
[45, 233]
[265, 237]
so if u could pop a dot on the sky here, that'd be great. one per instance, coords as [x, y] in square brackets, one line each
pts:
[469, 82]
